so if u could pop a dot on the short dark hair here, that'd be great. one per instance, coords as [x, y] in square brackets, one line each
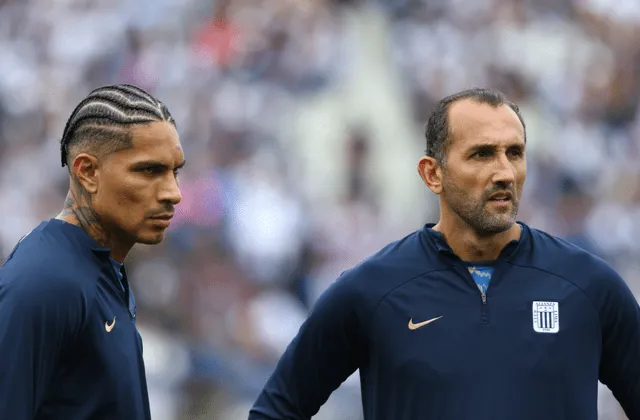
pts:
[437, 131]
[101, 120]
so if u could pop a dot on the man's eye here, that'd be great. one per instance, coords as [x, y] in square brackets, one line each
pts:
[482, 154]
[151, 170]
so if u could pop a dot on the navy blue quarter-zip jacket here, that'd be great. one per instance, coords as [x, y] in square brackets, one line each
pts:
[430, 345]
[69, 347]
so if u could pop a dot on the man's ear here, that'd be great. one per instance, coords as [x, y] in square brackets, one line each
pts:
[431, 173]
[85, 168]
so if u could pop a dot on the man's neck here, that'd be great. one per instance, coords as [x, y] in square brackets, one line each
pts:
[469, 246]
[77, 211]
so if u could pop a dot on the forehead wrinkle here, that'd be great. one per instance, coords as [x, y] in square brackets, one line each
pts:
[491, 129]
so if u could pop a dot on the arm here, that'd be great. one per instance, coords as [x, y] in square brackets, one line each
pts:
[38, 317]
[328, 348]
[620, 362]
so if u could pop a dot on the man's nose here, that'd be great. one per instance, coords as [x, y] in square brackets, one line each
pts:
[504, 172]
[171, 191]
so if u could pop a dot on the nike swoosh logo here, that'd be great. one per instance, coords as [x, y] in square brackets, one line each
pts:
[110, 327]
[413, 326]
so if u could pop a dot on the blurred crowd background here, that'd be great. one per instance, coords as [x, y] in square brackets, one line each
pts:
[302, 123]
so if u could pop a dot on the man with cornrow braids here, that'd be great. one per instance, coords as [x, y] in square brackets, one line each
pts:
[68, 340]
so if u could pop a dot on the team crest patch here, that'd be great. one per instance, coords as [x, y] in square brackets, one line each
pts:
[546, 317]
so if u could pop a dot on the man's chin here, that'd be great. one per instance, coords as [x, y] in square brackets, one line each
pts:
[151, 238]
[497, 224]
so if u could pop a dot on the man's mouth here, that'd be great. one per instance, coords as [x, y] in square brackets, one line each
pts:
[167, 216]
[502, 197]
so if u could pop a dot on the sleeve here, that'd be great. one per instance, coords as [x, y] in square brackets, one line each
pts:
[620, 362]
[328, 348]
[39, 316]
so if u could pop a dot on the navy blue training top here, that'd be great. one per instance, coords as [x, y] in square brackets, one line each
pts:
[69, 345]
[430, 345]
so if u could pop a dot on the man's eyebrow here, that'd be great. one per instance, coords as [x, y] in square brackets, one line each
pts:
[156, 163]
[482, 146]
[492, 146]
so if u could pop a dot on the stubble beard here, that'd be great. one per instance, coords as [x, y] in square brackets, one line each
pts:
[476, 213]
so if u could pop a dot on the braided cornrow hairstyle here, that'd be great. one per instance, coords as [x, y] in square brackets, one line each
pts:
[102, 119]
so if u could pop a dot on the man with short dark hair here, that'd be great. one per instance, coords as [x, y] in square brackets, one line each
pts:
[477, 316]
[69, 344]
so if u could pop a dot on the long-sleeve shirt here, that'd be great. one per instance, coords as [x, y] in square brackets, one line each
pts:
[69, 347]
[433, 342]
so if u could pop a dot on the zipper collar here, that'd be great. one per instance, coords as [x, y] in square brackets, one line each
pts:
[509, 252]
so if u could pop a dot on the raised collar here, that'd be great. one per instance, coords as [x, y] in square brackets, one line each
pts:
[78, 236]
[437, 240]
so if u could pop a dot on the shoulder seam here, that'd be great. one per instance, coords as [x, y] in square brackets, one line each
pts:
[593, 306]
[91, 299]
[375, 308]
